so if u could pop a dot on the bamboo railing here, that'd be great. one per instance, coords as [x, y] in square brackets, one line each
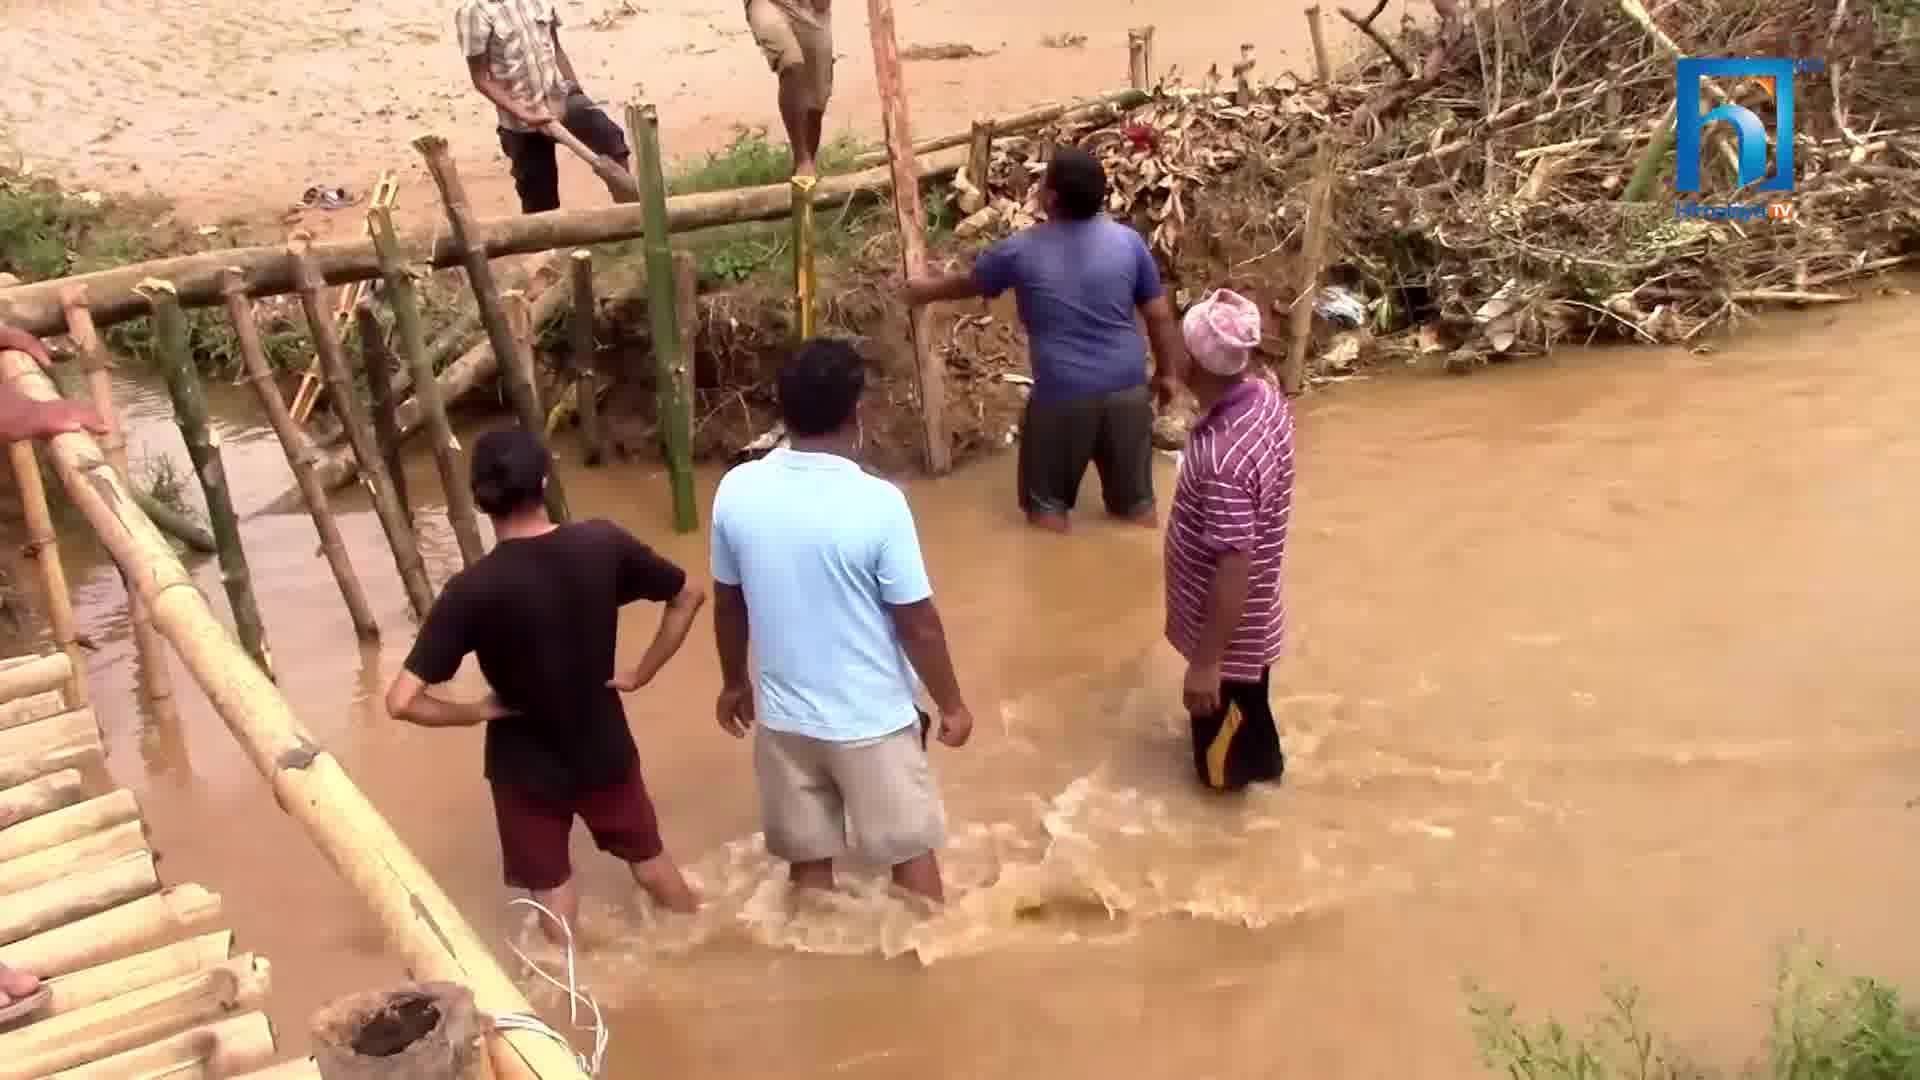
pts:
[433, 939]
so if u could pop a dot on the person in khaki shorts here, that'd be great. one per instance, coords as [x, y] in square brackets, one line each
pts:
[797, 38]
[822, 561]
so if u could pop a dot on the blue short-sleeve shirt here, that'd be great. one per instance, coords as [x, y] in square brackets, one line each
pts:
[821, 550]
[1079, 285]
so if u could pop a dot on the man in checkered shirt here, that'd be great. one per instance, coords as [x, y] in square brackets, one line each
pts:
[514, 54]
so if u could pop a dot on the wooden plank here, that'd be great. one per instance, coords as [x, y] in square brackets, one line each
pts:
[30, 751]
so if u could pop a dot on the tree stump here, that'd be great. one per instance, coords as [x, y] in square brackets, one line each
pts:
[424, 1031]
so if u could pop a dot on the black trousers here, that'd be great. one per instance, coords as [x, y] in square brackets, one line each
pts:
[1238, 743]
[536, 171]
[1113, 432]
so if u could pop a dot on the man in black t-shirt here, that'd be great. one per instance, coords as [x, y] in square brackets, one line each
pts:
[541, 611]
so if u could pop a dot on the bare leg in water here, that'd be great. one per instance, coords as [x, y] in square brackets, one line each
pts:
[660, 877]
[920, 876]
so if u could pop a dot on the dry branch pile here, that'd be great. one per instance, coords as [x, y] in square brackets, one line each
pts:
[1480, 200]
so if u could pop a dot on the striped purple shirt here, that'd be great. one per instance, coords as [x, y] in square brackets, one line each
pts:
[1235, 493]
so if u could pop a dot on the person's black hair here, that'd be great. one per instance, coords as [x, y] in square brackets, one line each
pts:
[820, 386]
[509, 471]
[1078, 181]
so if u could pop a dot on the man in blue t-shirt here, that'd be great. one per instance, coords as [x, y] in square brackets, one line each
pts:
[1080, 278]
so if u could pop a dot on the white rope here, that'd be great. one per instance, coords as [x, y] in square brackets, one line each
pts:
[575, 998]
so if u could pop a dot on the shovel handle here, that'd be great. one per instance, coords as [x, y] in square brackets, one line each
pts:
[607, 170]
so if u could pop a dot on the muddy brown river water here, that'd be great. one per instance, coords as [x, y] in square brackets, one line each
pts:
[1603, 668]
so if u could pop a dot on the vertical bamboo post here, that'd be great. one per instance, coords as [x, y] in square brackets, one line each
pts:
[1293, 377]
[301, 455]
[156, 671]
[1137, 60]
[686, 296]
[405, 302]
[373, 470]
[980, 154]
[1322, 62]
[45, 550]
[520, 326]
[377, 360]
[1243, 76]
[913, 229]
[669, 345]
[468, 241]
[803, 279]
[585, 350]
[203, 447]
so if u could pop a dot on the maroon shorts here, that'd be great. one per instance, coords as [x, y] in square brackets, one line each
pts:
[534, 831]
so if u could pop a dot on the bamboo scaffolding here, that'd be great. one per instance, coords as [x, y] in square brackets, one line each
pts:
[386, 193]
[44, 549]
[300, 456]
[34, 707]
[803, 279]
[404, 301]
[929, 368]
[469, 240]
[333, 360]
[1322, 60]
[377, 361]
[1293, 377]
[108, 845]
[433, 940]
[585, 354]
[77, 896]
[54, 791]
[156, 676]
[203, 447]
[208, 1052]
[148, 921]
[69, 823]
[109, 981]
[99, 1031]
[38, 674]
[664, 312]
[30, 751]
[36, 307]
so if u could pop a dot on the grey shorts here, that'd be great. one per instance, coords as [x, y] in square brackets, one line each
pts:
[1113, 431]
[793, 36]
[819, 800]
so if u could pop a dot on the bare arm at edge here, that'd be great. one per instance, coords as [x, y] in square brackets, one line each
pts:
[676, 622]
[409, 699]
[924, 637]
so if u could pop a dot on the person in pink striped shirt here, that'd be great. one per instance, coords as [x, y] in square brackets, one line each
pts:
[1226, 538]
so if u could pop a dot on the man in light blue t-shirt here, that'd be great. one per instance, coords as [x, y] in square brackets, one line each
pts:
[1083, 281]
[820, 564]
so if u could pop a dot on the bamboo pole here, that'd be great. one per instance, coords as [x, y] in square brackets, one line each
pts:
[404, 301]
[26, 710]
[670, 343]
[519, 312]
[99, 1031]
[39, 674]
[148, 921]
[176, 524]
[77, 896]
[1293, 377]
[203, 447]
[478, 364]
[1061, 112]
[209, 1052]
[419, 1032]
[36, 308]
[1322, 60]
[69, 823]
[44, 549]
[31, 751]
[619, 185]
[1137, 60]
[469, 240]
[980, 155]
[108, 845]
[156, 677]
[300, 456]
[333, 360]
[585, 353]
[109, 981]
[803, 279]
[686, 299]
[928, 367]
[377, 361]
[54, 791]
[433, 941]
